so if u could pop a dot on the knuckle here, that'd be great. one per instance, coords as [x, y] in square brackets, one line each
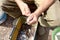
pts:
[23, 13]
[35, 20]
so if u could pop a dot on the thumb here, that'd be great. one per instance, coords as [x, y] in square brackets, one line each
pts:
[30, 18]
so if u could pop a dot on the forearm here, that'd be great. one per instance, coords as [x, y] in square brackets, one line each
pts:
[23, 7]
[43, 6]
[19, 3]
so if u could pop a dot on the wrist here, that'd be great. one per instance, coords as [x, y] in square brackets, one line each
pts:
[37, 14]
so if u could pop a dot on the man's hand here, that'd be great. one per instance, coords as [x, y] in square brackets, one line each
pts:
[32, 19]
[25, 9]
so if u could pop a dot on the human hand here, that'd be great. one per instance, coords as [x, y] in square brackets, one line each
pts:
[33, 18]
[25, 9]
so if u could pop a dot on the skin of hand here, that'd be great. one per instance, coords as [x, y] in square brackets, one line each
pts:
[23, 7]
[25, 10]
[33, 18]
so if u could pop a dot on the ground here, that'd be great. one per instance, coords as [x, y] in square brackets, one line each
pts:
[6, 28]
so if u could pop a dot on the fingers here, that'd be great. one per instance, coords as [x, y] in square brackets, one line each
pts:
[31, 20]
[25, 10]
[26, 13]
